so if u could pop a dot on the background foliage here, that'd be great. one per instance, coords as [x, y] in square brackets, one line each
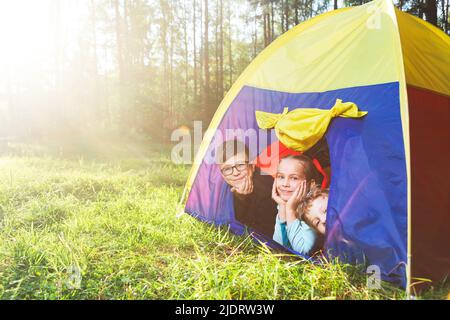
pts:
[111, 69]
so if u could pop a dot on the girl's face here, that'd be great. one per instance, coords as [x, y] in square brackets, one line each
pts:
[316, 216]
[289, 175]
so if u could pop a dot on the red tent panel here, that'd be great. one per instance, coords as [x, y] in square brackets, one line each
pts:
[429, 115]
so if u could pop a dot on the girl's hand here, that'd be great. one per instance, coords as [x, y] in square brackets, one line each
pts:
[294, 201]
[281, 203]
[275, 196]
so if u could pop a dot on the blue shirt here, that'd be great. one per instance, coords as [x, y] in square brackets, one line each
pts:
[296, 235]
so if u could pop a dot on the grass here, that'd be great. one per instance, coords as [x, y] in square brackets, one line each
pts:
[90, 229]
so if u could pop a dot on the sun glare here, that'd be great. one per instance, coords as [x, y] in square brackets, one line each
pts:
[33, 33]
[25, 30]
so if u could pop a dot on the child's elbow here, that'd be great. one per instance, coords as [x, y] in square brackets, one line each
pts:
[304, 245]
[302, 248]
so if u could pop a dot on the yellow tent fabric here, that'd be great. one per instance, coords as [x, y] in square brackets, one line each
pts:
[300, 129]
[425, 54]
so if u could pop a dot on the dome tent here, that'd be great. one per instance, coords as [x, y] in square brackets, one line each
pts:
[390, 178]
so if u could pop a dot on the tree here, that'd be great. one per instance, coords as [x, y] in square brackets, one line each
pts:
[431, 11]
[206, 84]
[220, 39]
[164, 24]
[444, 11]
[230, 49]
[194, 53]
[97, 102]
[119, 55]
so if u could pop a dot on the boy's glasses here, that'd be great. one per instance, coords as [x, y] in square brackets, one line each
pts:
[227, 171]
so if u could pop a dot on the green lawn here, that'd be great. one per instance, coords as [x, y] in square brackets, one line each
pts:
[102, 229]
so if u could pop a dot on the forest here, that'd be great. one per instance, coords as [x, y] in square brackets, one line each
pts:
[91, 92]
[138, 68]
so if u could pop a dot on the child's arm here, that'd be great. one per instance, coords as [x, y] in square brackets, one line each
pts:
[282, 213]
[300, 236]
[280, 202]
[280, 233]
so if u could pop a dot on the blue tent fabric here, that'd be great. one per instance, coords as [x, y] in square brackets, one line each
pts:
[367, 209]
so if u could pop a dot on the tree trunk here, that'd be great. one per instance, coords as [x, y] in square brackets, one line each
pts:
[286, 13]
[266, 27]
[335, 4]
[230, 49]
[267, 24]
[165, 78]
[186, 55]
[272, 21]
[421, 10]
[216, 52]
[172, 114]
[255, 34]
[431, 11]
[119, 56]
[220, 50]
[119, 41]
[206, 86]
[296, 20]
[444, 7]
[201, 60]
[126, 36]
[97, 109]
[446, 17]
[194, 38]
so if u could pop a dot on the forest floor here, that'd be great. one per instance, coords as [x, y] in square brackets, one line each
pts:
[84, 228]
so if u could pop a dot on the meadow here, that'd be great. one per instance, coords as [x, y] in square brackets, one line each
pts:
[83, 228]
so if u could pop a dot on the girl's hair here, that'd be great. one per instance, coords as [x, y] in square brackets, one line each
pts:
[312, 195]
[309, 169]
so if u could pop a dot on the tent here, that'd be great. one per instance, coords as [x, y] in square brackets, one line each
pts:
[389, 201]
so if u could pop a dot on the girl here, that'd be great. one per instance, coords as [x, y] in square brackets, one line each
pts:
[295, 177]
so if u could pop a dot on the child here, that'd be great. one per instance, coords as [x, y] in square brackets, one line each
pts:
[295, 177]
[313, 209]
